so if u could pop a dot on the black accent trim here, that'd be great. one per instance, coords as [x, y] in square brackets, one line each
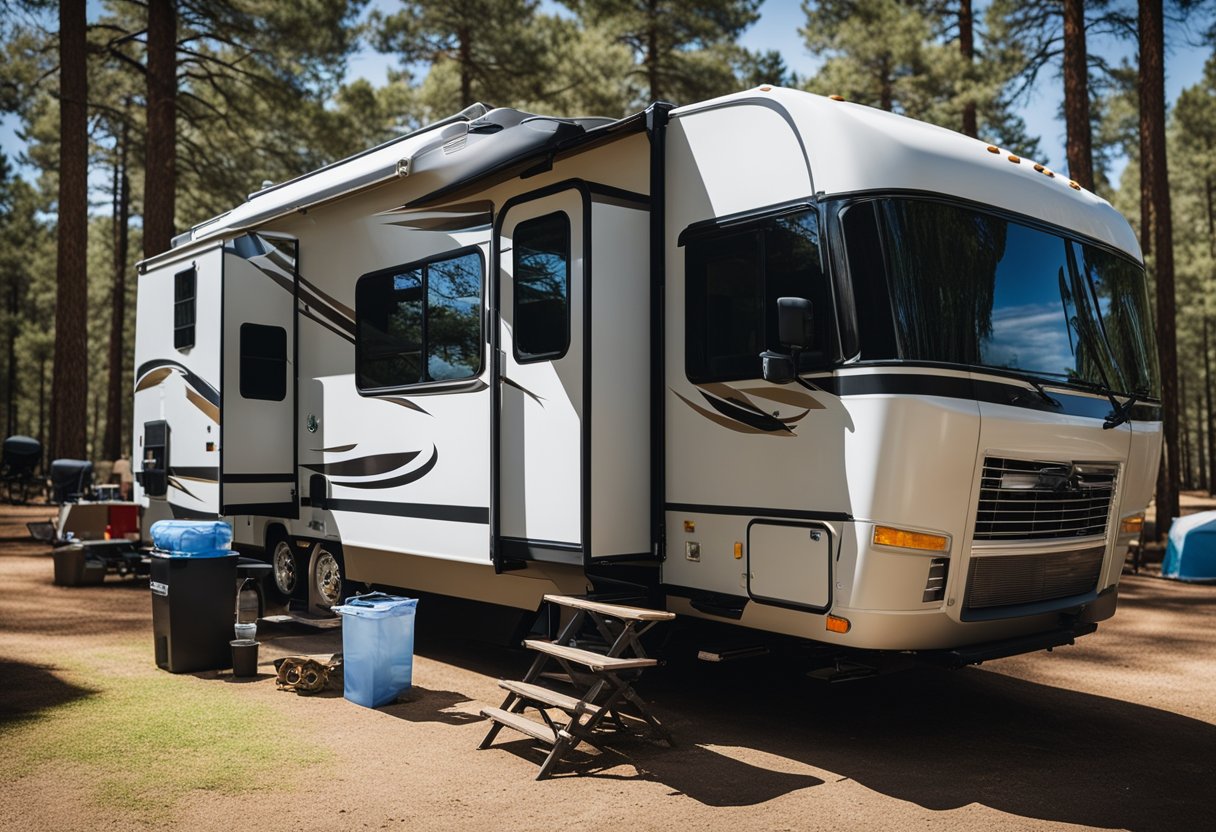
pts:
[419, 511]
[259, 478]
[760, 513]
[1094, 406]
[403, 479]
[785, 602]
[742, 218]
[989, 650]
[544, 551]
[657, 116]
[201, 386]
[343, 335]
[196, 473]
[1027, 610]
[261, 509]
[364, 466]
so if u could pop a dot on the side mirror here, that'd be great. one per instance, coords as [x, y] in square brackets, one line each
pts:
[795, 322]
[777, 368]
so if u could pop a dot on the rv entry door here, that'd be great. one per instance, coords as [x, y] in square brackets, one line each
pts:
[257, 434]
[539, 493]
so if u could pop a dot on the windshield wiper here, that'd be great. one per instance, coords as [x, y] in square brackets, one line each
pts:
[1122, 410]
[1038, 388]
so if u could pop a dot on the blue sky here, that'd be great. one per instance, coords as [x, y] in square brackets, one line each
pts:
[778, 28]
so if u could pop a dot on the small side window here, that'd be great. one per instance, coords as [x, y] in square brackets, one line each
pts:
[184, 284]
[263, 362]
[541, 287]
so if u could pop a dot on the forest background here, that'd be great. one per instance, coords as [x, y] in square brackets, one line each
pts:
[130, 120]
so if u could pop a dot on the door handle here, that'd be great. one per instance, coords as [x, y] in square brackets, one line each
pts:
[502, 364]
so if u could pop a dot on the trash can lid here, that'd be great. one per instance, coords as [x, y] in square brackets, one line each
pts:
[377, 605]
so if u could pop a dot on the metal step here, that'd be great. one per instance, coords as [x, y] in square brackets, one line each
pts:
[545, 696]
[536, 730]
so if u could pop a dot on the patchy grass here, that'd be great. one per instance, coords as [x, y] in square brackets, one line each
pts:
[146, 738]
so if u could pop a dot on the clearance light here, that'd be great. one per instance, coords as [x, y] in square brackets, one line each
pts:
[1047, 172]
[738, 550]
[993, 149]
[1132, 525]
[836, 624]
[888, 536]
[1074, 186]
[765, 88]
[1015, 159]
[1039, 168]
[836, 97]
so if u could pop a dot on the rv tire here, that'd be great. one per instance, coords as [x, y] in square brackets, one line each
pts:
[285, 568]
[327, 585]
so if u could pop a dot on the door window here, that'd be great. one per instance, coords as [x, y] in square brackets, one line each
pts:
[541, 288]
[263, 362]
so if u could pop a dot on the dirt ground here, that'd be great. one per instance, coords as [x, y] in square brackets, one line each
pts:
[1116, 732]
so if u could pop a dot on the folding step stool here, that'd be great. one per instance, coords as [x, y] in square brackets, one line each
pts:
[605, 681]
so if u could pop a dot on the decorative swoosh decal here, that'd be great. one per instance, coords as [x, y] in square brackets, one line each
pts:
[200, 386]
[523, 390]
[336, 449]
[403, 479]
[364, 466]
[407, 403]
[733, 408]
[174, 482]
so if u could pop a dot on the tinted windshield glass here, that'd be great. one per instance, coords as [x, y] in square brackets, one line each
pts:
[972, 288]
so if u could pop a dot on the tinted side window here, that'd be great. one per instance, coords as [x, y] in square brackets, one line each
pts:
[184, 285]
[541, 288]
[732, 282]
[419, 323]
[263, 362]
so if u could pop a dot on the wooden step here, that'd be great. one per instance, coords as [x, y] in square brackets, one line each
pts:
[536, 693]
[612, 610]
[595, 661]
[536, 730]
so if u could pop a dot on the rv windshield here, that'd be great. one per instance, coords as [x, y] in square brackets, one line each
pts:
[967, 287]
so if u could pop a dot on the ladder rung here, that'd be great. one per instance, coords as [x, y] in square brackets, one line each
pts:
[536, 730]
[613, 610]
[545, 696]
[595, 661]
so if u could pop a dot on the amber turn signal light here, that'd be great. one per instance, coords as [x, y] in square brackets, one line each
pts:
[1132, 525]
[836, 624]
[904, 539]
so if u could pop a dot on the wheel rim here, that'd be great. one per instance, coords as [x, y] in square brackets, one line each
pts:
[328, 579]
[284, 568]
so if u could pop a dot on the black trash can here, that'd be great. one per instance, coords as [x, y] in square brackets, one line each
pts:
[193, 599]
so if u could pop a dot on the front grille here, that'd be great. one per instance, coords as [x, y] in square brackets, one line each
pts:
[1004, 580]
[1023, 500]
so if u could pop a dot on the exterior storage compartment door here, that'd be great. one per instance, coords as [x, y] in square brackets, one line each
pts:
[258, 431]
[790, 564]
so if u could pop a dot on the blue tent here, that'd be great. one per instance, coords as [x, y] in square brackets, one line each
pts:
[1191, 552]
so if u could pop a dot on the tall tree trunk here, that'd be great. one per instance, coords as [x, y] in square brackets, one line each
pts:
[11, 382]
[1210, 422]
[966, 44]
[160, 177]
[886, 86]
[112, 446]
[70, 374]
[1154, 182]
[1201, 460]
[465, 48]
[653, 79]
[1076, 96]
[1184, 437]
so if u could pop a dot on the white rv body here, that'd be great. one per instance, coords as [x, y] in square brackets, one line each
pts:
[569, 434]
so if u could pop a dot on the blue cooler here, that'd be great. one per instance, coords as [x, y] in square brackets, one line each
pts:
[377, 647]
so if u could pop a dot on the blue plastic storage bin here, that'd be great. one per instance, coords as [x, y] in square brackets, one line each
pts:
[192, 538]
[377, 647]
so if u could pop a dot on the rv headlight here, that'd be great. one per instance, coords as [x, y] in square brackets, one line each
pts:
[905, 539]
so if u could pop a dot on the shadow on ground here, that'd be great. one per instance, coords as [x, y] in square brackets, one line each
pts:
[31, 689]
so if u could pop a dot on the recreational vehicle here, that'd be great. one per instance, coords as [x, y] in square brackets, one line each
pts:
[789, 363]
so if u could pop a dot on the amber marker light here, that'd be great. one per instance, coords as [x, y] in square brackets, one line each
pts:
[738, 550]
[836, 97]
[904, 539]
[1074, 186]
[1015, 159]
[836, 624]
[1132, 525]
[993, 149]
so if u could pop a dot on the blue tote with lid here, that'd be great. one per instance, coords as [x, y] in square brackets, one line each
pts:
[377, 647]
